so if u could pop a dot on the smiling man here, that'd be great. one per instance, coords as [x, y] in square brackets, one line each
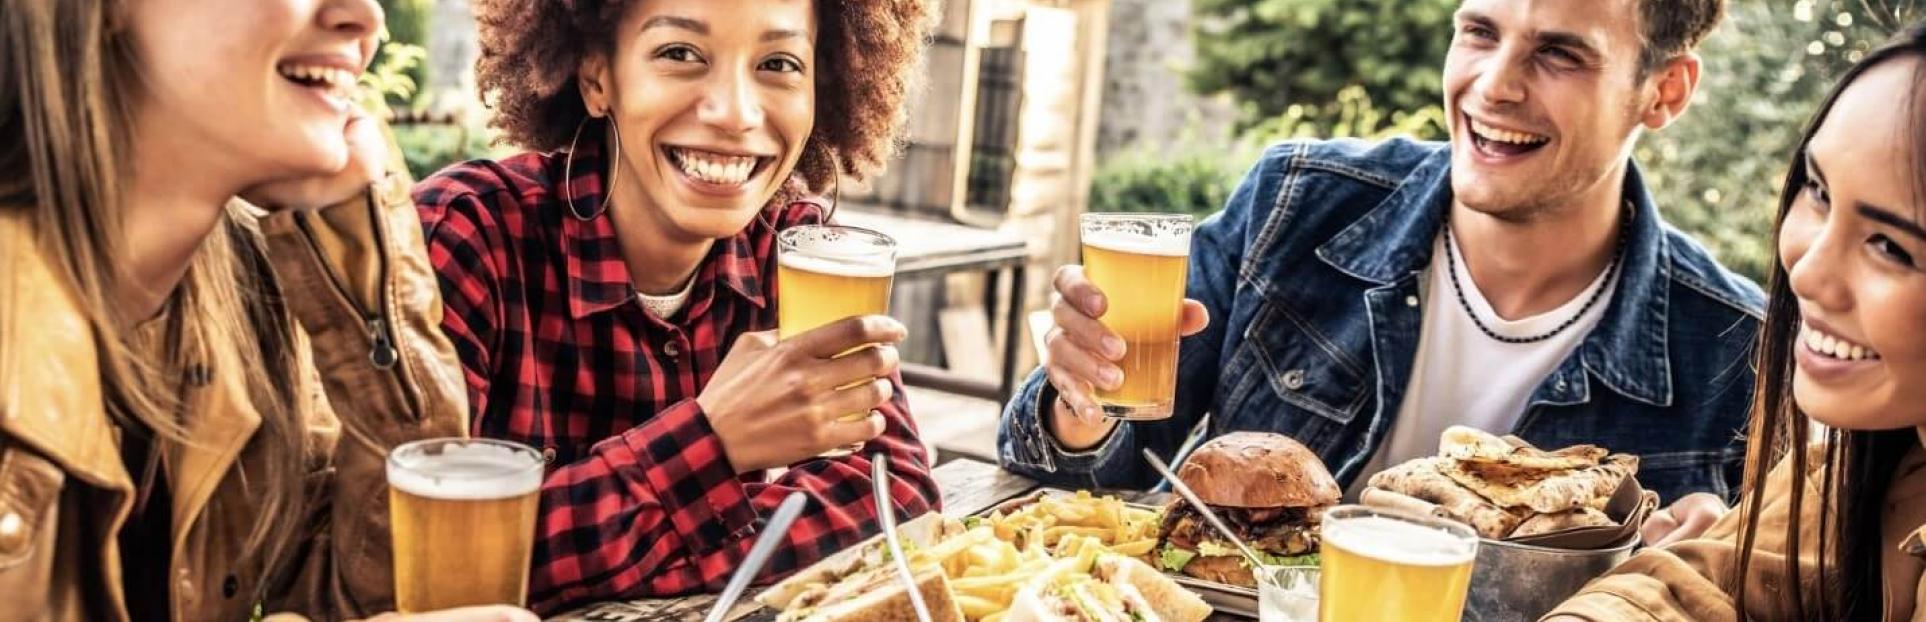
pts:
[1363, 297]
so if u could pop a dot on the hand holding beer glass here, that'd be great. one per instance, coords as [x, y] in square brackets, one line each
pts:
[1140, 263]
[1381, 565]
[463, 514]
[827, 273]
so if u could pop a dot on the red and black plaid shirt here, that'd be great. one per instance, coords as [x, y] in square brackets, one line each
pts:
[559, 354]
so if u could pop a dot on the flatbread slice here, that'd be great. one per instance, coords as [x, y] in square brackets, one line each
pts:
[1424, 479]
[1558, 491]
[1560, 521]
[1474, 445]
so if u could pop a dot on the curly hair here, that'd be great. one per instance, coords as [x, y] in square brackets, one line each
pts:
[867, 55]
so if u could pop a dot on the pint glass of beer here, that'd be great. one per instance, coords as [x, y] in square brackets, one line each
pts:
[1140, 261]
[1381, 565]
[829, 272]
[463, 513]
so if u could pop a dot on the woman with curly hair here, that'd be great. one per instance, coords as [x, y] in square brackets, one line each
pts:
[611, 292]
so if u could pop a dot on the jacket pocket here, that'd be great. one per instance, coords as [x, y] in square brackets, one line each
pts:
[1303, 367]
[29, 508]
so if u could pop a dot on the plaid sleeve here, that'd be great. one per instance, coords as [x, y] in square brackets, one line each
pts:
[458, 223]
[658, 511]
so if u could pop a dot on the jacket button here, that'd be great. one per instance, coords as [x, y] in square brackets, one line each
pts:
[1561, 385]
[548, 455]
[1411, 301]
[1294, 379]
[13, 532]
[230, 586]
[672, 349]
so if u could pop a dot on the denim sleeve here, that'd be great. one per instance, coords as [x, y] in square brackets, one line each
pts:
[1024, 443]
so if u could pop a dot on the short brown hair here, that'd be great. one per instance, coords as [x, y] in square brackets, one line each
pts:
[1673, 28]
[867, 54]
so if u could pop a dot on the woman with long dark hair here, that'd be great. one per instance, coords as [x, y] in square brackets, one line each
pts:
[1831, 522]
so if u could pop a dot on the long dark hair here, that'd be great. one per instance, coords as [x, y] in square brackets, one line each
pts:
[1856, 467]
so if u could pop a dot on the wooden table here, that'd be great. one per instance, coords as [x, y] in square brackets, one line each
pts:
[968, 487]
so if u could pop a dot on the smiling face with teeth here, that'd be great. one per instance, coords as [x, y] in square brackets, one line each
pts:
[713, 103]
[263, 87]
[1545, 99]
[1852, 244]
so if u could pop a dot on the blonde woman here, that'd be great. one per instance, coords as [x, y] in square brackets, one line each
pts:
[196, 394]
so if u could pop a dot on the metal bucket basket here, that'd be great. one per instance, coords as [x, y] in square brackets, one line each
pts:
[1512, 581]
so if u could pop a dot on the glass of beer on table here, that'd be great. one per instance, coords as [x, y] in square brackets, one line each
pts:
[829, 272]
[463, 513]
[1383, 565]
[1140, 262]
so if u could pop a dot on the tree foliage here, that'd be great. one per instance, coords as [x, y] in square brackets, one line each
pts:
[1717, 172]
[1293, 58]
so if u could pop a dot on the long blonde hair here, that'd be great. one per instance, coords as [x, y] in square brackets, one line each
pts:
[68, 77]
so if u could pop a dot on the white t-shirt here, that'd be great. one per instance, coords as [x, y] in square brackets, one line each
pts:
[1464, 377]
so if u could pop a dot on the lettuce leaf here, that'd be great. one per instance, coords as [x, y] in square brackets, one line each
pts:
[1174, 559]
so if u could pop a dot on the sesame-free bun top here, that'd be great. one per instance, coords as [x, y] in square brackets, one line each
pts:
[1258, 470]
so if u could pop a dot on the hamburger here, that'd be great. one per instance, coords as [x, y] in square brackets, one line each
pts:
[1269, 489]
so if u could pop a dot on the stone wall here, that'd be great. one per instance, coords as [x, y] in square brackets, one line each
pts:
[1145, 100]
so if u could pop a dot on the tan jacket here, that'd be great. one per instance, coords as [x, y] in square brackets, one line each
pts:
[1681, 582]
[349, 272]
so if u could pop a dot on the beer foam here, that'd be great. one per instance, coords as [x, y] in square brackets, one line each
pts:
[470, 473]
[1398, 542]
[1132, 242]
[856, 267]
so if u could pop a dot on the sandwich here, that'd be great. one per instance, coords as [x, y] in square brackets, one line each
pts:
[863, 584]
[1117, 589]
[1269, 489]
[876, 594]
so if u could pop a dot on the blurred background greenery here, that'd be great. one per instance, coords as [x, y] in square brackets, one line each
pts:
[393, 85]
[1370, 68]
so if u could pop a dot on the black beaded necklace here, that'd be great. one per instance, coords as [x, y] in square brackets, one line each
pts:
[1611, 271]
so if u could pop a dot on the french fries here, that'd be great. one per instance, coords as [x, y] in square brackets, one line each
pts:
[1051, 519]
[990, 560]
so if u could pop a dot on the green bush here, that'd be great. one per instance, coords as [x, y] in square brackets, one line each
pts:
[1276, 56]
[1193, 180]
[430, 148]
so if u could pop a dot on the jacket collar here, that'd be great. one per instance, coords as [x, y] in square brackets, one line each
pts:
[598, 277]
[50, 377]
[1394, 240]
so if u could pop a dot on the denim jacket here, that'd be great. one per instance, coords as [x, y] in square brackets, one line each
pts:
[1311, 276]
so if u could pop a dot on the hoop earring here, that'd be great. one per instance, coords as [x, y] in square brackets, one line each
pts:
[568, 172]
[836, 194]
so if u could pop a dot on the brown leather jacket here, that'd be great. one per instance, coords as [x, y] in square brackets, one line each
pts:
[368, 311]
[1683, 582]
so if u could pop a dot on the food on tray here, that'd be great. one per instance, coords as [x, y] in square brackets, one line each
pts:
[1268, 488]
[880, 596]
[1504, 488]
[1117, 589]
[1127, 530]
[966, 572]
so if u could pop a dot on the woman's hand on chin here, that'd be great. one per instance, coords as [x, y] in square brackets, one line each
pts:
[367, 159]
